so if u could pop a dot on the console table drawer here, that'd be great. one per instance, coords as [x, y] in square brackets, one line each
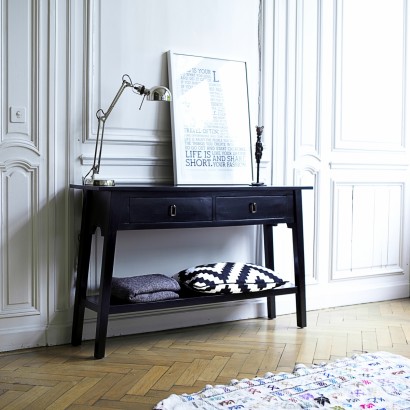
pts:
[170, 209]
[254, 207]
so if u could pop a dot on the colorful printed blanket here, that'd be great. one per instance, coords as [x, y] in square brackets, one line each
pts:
[377, 381]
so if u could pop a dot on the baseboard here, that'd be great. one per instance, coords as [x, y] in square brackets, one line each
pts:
[22, 338]
[343, 293]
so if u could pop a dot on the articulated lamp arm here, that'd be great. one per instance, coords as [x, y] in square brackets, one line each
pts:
[157, 93]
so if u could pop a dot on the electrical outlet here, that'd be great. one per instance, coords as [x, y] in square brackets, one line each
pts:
[18, 114]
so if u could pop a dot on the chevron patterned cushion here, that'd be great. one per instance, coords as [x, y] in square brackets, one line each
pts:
[228, 278]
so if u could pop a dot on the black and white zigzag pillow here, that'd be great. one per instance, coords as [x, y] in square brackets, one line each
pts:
[229, 277]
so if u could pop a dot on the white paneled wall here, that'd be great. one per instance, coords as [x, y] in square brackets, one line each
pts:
[340, 105]
[327, 79]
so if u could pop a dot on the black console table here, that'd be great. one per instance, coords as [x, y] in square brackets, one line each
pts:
[163, 207]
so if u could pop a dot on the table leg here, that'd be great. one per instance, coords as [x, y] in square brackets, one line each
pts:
[271, 307]
[269, 263]
[105, 294]
[82, 278]
[299, 262]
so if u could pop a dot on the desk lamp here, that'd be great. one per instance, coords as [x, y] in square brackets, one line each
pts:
[157, 93]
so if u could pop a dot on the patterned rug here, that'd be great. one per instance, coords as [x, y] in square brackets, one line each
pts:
[377, 381]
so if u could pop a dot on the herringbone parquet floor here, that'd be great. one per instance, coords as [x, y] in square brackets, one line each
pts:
[138, 371]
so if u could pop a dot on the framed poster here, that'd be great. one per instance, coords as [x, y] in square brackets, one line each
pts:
[211, 136]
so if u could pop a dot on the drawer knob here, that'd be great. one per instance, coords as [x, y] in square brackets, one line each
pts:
[173, 210]
[253, 208]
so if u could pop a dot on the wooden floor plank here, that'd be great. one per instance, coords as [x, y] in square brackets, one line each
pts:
[9, 397]
[288, 358]
[354, 341]
[369, 341]
[193, 371]
[323, 348]
[383, 337]
[76, 391]
[93, 394]
[307, 351]
[168, 379]
[270, 360]
[26, 399]
[146, 382]
[52, 395]
[123, 385]
[233, 366]
[214, 368]
[406, 331]
[397, 335]
[339, 346]
[253, 362]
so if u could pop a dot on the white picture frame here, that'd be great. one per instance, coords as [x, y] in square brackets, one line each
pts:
[211, 133]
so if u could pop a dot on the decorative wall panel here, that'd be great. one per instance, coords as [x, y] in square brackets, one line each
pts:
[18, 71]
[370, 69]
[19, 228]
[308, 58]
[367, 235]
[113, 53]
[309, 177]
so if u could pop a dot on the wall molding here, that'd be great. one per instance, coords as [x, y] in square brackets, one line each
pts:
[308, 79]
[21, 78]
[352, 166]
[340, 140]
[367, 229]
[128, 161]
[136, 136]
[21, 283]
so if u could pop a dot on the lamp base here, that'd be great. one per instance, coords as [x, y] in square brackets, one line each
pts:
[103, 182]
[257, 184]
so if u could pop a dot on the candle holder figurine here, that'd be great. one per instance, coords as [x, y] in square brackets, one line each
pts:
[258, 154]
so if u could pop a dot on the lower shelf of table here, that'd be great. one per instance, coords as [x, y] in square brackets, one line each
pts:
[92, 302]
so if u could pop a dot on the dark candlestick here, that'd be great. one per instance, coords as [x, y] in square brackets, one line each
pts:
[258, 154]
